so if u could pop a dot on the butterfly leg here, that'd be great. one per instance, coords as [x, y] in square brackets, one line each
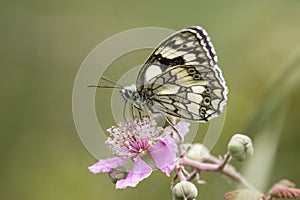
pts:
[139, 110]
[132, 110]
[178, 138]
[140, 114]
[175, 129]
[132, 106]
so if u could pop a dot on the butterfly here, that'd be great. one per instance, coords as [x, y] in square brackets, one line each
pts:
[180, 79]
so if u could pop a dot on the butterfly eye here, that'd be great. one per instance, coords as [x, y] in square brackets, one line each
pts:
[191, 70]
[196, 76]
[126, 94]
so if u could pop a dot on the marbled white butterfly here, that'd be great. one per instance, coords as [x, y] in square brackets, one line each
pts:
[180, 79]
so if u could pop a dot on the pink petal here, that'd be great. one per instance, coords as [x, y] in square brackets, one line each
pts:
[107, 165]
[164, 154]
[139, 171]
[183, 127]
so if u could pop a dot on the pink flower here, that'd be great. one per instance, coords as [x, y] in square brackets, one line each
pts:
[133, 139]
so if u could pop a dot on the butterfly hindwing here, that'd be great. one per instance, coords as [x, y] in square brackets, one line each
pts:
[193, 92]
[190, 46]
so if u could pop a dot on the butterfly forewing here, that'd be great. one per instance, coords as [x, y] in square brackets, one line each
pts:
[190, 46]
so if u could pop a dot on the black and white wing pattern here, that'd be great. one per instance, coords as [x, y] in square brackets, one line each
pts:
[192, 92]
[181, 77]
[190, 46]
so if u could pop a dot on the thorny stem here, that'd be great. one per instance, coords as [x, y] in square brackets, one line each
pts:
[225, 161]
[232, 173]
[193, 175]
[227, 170]
[212, 159]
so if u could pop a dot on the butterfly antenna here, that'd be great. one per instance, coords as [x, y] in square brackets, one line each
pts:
[115, 85]
[112, 82]
[102, 86]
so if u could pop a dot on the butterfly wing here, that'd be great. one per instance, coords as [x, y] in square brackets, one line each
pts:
[193, 92]
[190, 46]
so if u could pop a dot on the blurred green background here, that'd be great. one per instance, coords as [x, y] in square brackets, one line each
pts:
[44, 42]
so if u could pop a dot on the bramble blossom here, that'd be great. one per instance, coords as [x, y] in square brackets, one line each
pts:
[133, 139]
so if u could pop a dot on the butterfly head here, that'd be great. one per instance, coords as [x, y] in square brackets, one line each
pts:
[129, 93]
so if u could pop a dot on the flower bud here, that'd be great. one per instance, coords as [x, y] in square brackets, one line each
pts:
[240, 147]
[197, 152]
[117, 174]
[185, 191]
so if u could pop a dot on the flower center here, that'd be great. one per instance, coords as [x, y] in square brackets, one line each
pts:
[133, 137]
